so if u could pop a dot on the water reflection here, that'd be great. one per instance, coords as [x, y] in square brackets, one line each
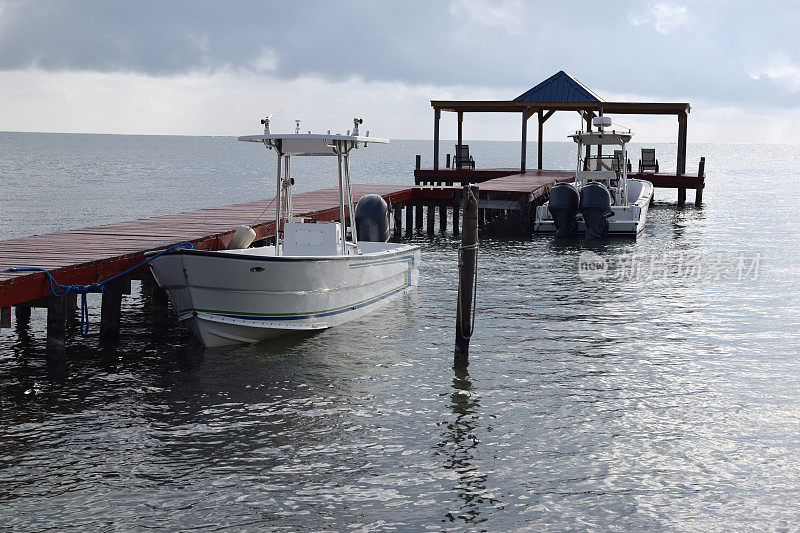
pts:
[460, 446]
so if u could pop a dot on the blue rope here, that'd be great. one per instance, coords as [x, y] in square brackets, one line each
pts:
[60, 291]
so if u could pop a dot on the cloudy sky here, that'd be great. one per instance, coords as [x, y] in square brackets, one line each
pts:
[214, 68]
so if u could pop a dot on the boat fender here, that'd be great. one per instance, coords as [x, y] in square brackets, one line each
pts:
[595, 207]
[372, 219]
[243, 238]
[563, 206]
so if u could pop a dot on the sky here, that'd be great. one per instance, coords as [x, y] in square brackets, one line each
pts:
[216, 68]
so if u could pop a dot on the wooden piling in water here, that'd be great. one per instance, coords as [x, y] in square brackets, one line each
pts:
[22, 313]
[443, 217]
[698, 193]
[431, 208]
[56, 327]
[5, 317]
[467, 272]
[111, 311]
[398, 219]
[418, 216]
[409, 218]
[456, 215]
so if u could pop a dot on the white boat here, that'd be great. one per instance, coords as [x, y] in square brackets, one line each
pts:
[601, 200]
[312, 278]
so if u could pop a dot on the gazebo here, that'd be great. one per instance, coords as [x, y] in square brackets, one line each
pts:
[559, 92]
[562, 92]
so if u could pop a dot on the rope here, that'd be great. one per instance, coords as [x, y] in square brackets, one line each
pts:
[60, 291]
[262, 214]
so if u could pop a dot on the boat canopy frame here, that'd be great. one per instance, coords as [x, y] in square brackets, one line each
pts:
[302, 144]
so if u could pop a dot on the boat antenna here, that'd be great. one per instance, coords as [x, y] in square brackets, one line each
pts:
[297, 126]
[356, 122]
[265, 122]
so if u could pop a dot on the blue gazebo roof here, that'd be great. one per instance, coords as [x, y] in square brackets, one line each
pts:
[560, 87]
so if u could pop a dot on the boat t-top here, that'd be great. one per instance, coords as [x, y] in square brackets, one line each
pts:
[312, 277]
[602, 200]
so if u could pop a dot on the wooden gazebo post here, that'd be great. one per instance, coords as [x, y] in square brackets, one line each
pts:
[524, 149]
[437, 113]
[681, 170]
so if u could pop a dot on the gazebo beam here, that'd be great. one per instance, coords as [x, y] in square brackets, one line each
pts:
[524, 149]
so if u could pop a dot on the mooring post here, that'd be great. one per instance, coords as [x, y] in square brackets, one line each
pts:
[398, 219]
[56, 327]
[698, 193]
[429, 219]
[467, 276]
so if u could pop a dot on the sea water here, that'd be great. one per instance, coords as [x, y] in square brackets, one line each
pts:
[630, 384]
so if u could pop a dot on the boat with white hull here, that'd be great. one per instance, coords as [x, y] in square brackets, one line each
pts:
[313, 278]
[601, 201]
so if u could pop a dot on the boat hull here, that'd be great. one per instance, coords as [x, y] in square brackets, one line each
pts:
[627, 221]
[251, 295]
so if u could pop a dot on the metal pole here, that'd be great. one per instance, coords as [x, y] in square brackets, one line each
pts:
[467, 277]
[288, 194]
[278, 210]
[341, 197]
[353, 231]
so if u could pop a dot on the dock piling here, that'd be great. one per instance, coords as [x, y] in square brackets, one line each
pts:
[443, 217]
[467, 277]
[456, 216]
[698, 193]
[22, 313]
[418, 216]
[111, 311]
[409, 218]
[398, 219]
[431, 208]
[56, 327]
[5, 317]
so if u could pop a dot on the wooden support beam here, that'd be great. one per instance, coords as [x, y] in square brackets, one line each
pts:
[447, 161]
[419, 162]
[431, 209]
[443, 217]
[548, 114]
[56, 327]
[701, 173]
[23, 315]
[398, 219]
[456, 213]
[682, 120]
[5, 317]
[481, 217]
[541, 129]
[111, 312]
[160, 309]
[460, 127]
[437, 114]
[525, 214]
[524, 149]
[409, 218]
[418, 216]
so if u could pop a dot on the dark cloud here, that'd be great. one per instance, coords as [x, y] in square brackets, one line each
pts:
[666, 49]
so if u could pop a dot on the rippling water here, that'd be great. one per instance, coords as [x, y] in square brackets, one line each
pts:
[654, 399]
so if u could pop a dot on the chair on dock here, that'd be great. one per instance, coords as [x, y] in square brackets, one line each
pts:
[462, 159]
[648, 162]
[618, 155]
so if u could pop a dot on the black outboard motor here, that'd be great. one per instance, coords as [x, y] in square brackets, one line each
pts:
[563, 206]
[595, 208]
[372, 219]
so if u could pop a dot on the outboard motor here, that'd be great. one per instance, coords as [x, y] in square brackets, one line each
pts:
[595, 208]
[372, 219]
[563, 206]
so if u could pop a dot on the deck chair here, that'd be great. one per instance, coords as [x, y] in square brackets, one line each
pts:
[462, 159]
[618, 154]
[648, 162]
